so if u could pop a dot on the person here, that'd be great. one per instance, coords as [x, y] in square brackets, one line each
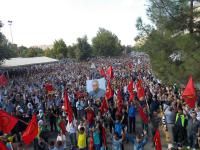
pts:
[52, 145]
[118, 127]
[96, 137]
[97, 92]
[59, 145]
[131, 117]
[42, 145]
[71, 129]
[139, 140]
[111, 116]
[116, 142]
[155, 122]
[169, 117]
[80, 108]
[179, 127]
[124, 119]
[82, 138]
[193, 129]
[52, 118]
[90, 115]
[61, 137]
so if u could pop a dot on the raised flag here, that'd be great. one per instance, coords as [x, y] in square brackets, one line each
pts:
[104, 106]
[102, 72]
[157, 140]
[7, 122]
[68, 107]
[110, 73]
[130, 90]
[31, 131]
[139, 83]
[3, 80]
[62, 126]
[189, 94]
[140, 93]
[143, 116]
[109, 91]
[104, 136]
[3, 146]
[91, 142]
[48, 87]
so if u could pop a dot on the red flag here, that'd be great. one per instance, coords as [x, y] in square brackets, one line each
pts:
[2, 146]
[119, 101]
[104, 106]
[62, 126]
[104, 136]
[91, 143]
[109, 91]
[139, 83]
[140, 92]
[3, 80]
[48, 87]
[110, 72]
[102, 72]
[130, 90]
[157, 140]
[143, 115]
[189, 94]
[31, 131]
[7, 122]
[68, 107]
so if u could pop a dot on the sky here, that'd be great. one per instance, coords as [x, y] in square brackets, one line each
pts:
[41, 22]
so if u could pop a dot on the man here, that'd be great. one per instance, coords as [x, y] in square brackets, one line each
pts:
[179, 127]
[155, 122]
[169, 116]
[97, 92]
[131, 117]
[193, 130]
[80, 108]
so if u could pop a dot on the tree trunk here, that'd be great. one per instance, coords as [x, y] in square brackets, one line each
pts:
[191, 19]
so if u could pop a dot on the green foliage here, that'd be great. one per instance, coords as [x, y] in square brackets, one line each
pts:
[106, 44]
[174, 32]
[83, 49]
[30, 52]
[59, 49]
[7, 50]
[72, 51]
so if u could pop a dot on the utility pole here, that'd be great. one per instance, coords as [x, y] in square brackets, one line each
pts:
[10, 24]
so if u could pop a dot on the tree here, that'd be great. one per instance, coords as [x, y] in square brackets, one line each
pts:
[30, 52]
[172, 40]
[82, 49]
[106, 44]
[72, 51]
[6, 48]
[59, 49]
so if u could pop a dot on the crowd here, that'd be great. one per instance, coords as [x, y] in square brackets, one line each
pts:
[25, 95]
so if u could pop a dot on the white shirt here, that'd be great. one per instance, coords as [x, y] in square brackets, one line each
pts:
[71, 128]
[61, 138]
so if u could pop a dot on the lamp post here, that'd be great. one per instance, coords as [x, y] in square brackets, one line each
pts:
[10, 24]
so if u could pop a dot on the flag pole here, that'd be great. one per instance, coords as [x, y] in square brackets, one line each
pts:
[23, 121]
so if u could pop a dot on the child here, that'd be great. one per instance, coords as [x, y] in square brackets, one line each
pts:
[139, 141]
[96, 137]
[82, 139]
[61, 137]
[117, 141]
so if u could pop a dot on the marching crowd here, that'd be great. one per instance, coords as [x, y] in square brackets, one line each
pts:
[99, 122]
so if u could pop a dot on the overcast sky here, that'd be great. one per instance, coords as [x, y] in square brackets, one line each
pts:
[40, 22]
